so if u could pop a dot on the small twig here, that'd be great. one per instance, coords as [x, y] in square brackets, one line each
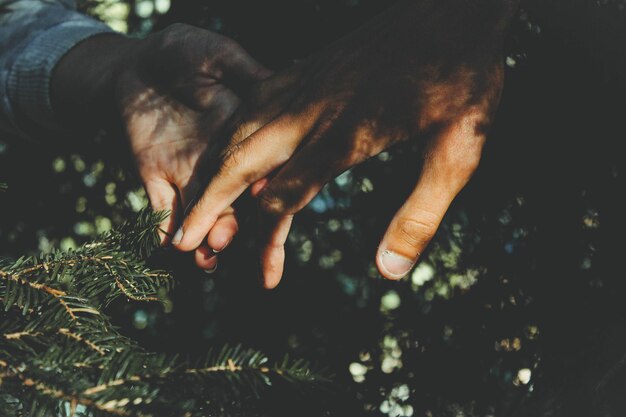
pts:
[79, 338]
[34, 285]
[110, 384]
[118, 282]
[229, 367]
[19, 335]
[47, 266]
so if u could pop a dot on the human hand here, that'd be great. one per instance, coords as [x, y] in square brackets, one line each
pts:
[428, 71]
[173, 92]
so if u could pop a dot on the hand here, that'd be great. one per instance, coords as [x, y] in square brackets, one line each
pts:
[428, 71]
[173, 92]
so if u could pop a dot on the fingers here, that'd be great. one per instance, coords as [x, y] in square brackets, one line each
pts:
[219, 238]
[273, 235]
[206, 259]
[449, 165]
[325, 155]
[258, 146]
[163, 196]
[295, 185]
[243, 164]
[257, 187]
[226, 226]
[224, 231]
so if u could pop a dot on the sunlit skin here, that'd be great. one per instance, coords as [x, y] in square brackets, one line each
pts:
[172, 93]
[427, 71]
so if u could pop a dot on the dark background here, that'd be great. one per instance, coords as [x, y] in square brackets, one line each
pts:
[526, 272]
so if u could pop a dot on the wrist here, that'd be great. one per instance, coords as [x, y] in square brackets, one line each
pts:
[83, 82]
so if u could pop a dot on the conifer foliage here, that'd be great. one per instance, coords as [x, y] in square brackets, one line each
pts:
[60, 355]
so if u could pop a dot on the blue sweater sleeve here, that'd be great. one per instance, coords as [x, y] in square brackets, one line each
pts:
[34, 36]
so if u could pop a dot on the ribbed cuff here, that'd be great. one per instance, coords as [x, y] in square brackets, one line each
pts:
[29, 78]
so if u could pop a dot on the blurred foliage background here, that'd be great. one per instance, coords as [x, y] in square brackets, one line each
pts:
[517, 307]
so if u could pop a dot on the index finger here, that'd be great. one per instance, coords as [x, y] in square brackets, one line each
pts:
[244, 163]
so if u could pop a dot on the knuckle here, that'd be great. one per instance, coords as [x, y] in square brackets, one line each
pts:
[416, 233]
[271, 203]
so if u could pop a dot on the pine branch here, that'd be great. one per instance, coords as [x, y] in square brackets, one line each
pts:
[59, 352]
[46, 393]
[141, 236]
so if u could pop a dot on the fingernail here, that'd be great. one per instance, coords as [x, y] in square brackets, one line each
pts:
[396, 266]
[210, 271]
[178, 236]
[222, 247]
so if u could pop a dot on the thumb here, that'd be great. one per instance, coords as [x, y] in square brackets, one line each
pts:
[449, 164]
[410, 231]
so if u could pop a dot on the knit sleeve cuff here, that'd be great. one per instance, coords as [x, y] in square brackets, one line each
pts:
[29, 78]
